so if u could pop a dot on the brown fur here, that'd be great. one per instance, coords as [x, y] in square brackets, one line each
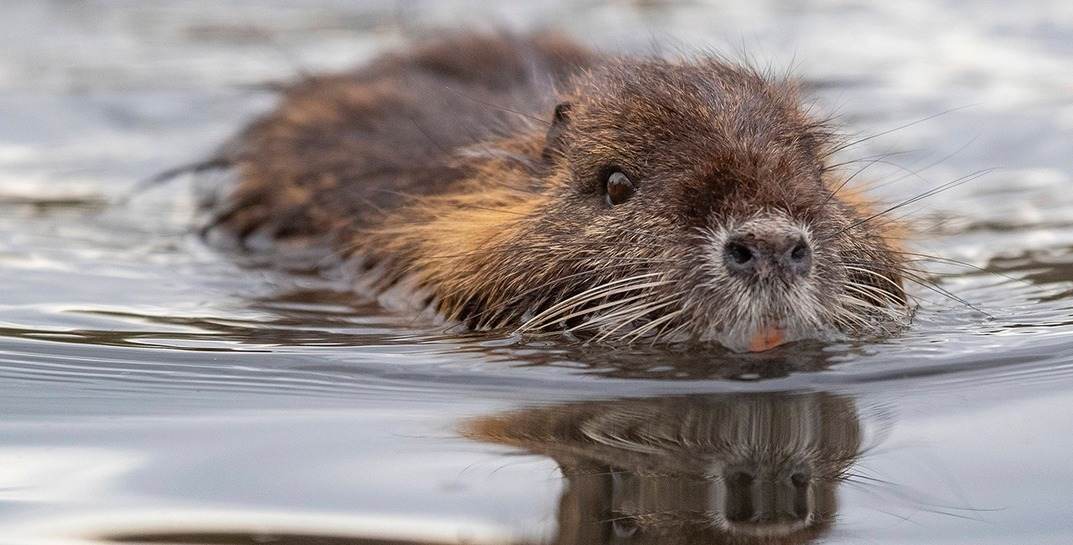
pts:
[444, 176]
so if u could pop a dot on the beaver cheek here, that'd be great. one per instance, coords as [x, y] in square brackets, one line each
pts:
[766, 338]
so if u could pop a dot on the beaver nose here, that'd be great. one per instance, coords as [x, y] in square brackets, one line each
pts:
[766, 498]
[768, 254]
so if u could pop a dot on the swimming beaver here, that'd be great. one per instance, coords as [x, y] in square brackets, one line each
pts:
[530, 183]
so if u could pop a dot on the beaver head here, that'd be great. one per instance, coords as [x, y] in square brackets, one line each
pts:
[665, 200]
[707, 184]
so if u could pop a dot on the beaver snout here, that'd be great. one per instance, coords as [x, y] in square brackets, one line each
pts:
[757, 254]
[767, 502]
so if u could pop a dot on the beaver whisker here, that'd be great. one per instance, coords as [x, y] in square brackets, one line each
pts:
[890, 304]
[638, 332]
[934, 191]
[898, 270]
[665, 335]
[869, 316]
[882, 295]
[917, 171]
[545, 318]
[874, 274]
[812, 309]
[603, 318]
[906, 172]
[869, 159]
[510, 248]
[845, 145]
[844, 313]
[590, 310]
[949, 261]
[670, 336]
[636, 313]
[583, 245]
[915, 276]
[522, 296]
[654, 518]
[611, 288]
[850, 178]
[624, 322]
[878, 296]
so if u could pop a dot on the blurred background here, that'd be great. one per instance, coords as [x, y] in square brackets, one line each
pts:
[182, 68]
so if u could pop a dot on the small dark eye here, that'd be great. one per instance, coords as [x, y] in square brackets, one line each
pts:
[619, 188]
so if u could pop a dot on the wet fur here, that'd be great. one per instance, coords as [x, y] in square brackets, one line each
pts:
[444, 177]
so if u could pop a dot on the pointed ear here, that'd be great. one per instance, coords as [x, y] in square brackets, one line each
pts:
[553, 140]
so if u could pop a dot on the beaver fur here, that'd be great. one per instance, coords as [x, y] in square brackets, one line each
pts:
[532, 184]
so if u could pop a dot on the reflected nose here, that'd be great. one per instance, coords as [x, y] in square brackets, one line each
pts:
[757, 254]
[766, 499]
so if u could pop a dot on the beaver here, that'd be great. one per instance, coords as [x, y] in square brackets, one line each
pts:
[760, 468]
[532, 184]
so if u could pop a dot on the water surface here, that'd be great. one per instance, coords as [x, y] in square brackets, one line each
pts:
[154, 389]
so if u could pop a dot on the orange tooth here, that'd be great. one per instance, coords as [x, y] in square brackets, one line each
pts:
[766, 338]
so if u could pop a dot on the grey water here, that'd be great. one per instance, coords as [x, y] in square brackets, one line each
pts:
[154, 389]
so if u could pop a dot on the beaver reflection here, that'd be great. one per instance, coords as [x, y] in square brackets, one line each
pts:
[737, 469]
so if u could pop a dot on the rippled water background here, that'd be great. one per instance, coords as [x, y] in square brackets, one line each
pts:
[154, 389]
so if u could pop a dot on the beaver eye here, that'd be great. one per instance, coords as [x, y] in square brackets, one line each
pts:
[619, 188]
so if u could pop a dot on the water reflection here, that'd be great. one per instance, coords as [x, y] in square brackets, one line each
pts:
[733, 468]
[737, 468]
[241, 538]
[670, 362]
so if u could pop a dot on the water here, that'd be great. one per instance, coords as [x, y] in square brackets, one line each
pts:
[155, 390]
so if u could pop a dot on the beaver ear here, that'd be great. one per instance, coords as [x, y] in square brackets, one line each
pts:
[562, 112]
[553, 140]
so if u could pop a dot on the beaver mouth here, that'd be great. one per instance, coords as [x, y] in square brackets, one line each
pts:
[765, 335]
[741, 315]
[801, 316]
[766, 320]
